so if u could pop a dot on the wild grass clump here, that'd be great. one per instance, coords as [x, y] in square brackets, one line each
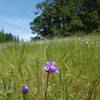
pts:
[78, 61]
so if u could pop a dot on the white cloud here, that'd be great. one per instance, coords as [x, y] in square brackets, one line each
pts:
[17, 26]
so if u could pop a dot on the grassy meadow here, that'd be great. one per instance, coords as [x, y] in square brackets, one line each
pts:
[78, 60]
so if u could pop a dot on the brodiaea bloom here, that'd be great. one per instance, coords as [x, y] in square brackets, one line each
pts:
[50, 67]
[24, 89]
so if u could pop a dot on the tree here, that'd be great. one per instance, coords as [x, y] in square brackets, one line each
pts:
[7, 37]
[66, 17]
[89, 14]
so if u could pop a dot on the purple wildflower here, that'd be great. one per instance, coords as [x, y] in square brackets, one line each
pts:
[24, 89]
[50, 67]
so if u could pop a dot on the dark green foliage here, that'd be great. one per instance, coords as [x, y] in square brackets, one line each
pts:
[66, 17]
[7, 37]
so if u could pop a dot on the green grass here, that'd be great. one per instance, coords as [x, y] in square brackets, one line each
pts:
[78, 62]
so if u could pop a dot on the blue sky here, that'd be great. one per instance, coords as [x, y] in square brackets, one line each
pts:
[15, 16]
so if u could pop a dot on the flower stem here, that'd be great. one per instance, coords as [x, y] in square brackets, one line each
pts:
[24, 97]
[45, 94]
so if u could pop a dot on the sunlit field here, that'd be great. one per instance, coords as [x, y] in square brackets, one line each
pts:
[78, 60]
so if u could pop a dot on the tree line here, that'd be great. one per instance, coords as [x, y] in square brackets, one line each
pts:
[8, 37]
[66, 18]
